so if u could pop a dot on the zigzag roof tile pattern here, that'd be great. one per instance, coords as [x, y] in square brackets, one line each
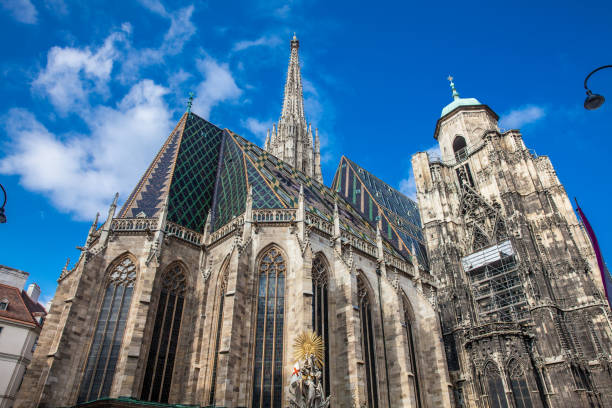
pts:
[203, 168]
[376, 201]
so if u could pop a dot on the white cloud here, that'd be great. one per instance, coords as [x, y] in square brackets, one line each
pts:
[72, 74]
[408, 186]
[258, 128]
[266, 41]
[154, 6]
[57, 6]
[21, 10]
[180, 32]
[313, 108]
[283, 12]
[517, 118]
[218, 86]
[80, 173]
[434, 152]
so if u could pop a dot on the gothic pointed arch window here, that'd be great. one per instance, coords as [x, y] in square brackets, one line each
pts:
[220, 303]
[495, 386]
[269, 326]
[166, 330]
[518, 385]
[320, 311]
[412, 354]
[459, 148]
[367, 342]
[108, 335]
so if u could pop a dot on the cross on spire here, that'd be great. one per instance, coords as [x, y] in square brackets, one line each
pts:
[452, 85]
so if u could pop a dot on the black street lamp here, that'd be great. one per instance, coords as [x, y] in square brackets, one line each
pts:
[593, 101]
[2, 216]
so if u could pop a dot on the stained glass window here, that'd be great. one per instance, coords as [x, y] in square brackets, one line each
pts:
[495, 387]
[320, 312]
[267, 375]
[162, 352]
[408, 319]
[221, 302]
[518, 384]
[367, 344]
[108, 335]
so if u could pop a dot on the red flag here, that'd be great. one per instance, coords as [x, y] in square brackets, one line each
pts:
[605, 274]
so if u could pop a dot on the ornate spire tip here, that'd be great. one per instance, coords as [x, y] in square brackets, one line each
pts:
[452, 85]
[190, 102]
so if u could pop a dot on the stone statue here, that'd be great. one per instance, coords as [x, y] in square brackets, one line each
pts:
[306, 389]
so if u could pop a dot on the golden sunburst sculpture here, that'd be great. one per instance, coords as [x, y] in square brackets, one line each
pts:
[308, 343]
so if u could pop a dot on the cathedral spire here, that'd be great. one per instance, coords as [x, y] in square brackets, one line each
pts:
[293, 102]
[292, 140]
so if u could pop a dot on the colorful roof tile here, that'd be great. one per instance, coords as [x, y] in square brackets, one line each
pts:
[203, 168]
[378, 202]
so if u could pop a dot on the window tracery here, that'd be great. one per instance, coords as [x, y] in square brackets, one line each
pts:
[320, 312]
[221, 301]
[518, 385]
[411, 348]
[108, 335]
[495, 387]
[164, 341]
[367, 343]
[269, 325]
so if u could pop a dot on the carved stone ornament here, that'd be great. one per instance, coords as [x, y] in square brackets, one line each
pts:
[205, 270]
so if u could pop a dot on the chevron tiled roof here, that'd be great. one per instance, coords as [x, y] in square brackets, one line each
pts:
[376, 201]
[202, 168]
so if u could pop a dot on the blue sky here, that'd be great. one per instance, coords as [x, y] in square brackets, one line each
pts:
[91, 89]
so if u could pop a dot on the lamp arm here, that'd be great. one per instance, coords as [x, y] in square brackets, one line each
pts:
[592, 72]
[4, 191]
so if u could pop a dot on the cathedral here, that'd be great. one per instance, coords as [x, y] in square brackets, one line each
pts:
[482, 293]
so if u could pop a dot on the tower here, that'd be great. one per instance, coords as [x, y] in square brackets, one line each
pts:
[523, 318]
[292, 140]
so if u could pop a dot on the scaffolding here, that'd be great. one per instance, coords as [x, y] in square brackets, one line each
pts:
[496, 285]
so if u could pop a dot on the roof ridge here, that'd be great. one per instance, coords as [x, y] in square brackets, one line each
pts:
[142, 182]
[382, 212]
[23, 303]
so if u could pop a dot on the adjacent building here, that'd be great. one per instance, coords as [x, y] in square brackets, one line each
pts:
[21, 319]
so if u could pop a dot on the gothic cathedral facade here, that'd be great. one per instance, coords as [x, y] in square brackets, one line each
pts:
[520, 300]
[484, 294]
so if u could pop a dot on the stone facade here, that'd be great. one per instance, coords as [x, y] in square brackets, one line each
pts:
[230, 258]
[521, 306]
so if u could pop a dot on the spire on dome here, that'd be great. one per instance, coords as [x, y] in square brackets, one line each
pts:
[452, 85]
[457, 101]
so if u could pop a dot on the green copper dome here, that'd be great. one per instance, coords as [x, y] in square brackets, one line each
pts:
[457, 101]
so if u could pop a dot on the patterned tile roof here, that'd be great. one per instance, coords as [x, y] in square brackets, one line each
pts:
[378, 202]
[203, 168]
